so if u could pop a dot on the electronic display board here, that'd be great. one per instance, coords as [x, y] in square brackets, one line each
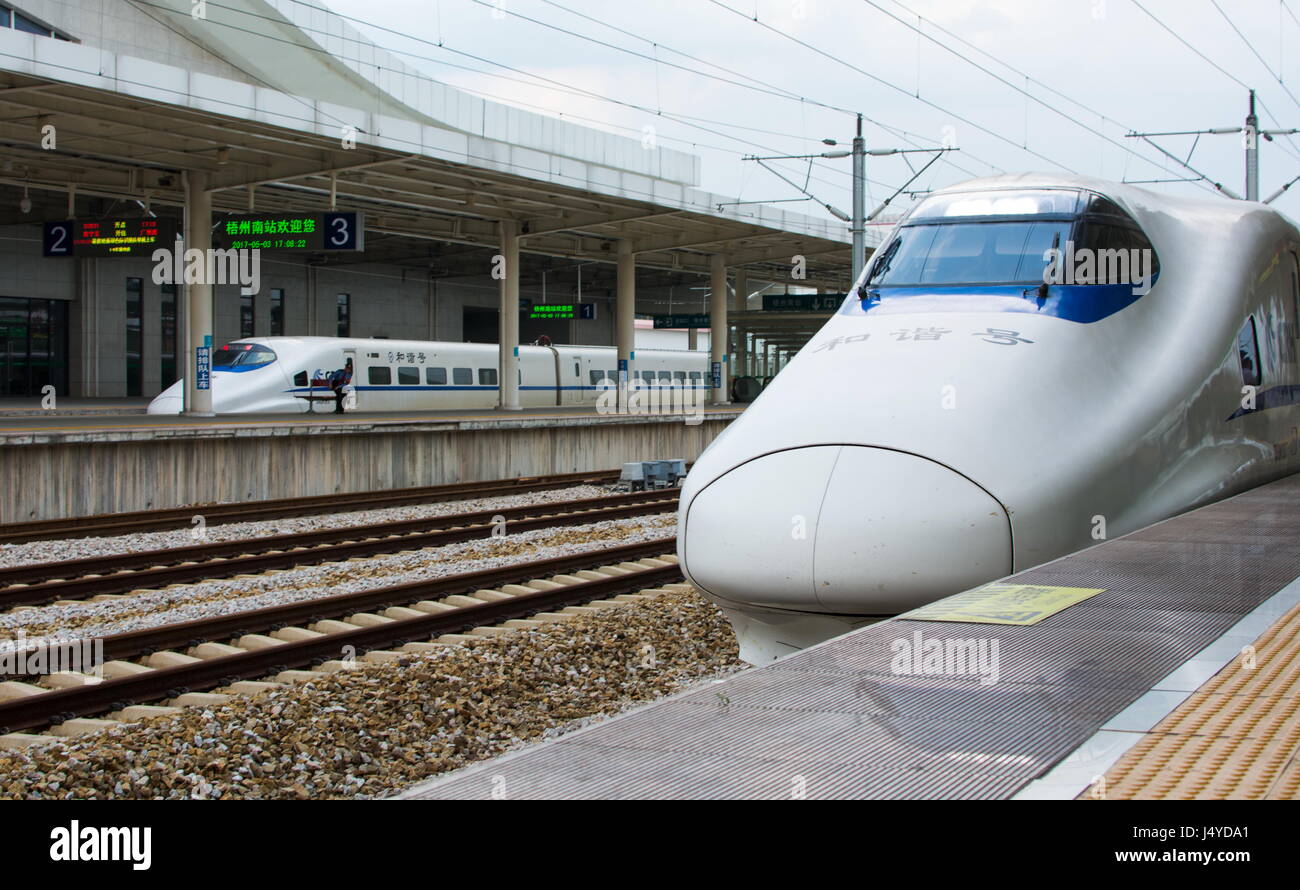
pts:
[582, 311]
[108, 237]
[331, 230]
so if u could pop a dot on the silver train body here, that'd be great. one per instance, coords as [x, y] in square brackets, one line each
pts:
[956, 422]
[282, 374]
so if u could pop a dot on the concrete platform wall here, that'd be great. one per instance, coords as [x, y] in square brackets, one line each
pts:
[61, 478]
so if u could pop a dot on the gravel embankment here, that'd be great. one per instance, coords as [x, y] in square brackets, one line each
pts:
[376, 729]
[81, 548]
[190, 602]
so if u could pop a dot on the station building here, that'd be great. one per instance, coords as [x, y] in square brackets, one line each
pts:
[118, 110]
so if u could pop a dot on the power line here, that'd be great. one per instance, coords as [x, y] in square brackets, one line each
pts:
[1215, 65]
[560, 86]
[1250, 46]
[896, 131]
[322, 51]
[1241, 83]
[1008, 83]
[893, 86]
[555, 85]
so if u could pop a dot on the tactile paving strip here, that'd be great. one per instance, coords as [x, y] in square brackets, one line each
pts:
[842, 720]
[1237, 736]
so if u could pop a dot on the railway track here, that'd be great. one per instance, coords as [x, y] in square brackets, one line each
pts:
[255, 511]
[70, 580]
[301, 641]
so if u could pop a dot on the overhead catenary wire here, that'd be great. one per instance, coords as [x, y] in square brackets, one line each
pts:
[557, 84]
[893, 86]
[1028, 95]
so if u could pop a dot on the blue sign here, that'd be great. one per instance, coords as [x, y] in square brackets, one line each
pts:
[203, 364]
[717, 375]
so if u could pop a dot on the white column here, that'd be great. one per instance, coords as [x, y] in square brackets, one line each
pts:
[718, 326]
[198, 297]
[625, 314]
[508, 383]
[740, 303]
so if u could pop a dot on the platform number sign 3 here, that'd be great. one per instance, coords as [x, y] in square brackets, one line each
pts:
[341, 231]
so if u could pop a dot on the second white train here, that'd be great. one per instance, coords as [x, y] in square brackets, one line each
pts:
[287, 374]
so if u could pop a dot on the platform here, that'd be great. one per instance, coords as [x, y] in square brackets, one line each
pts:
[58, 466]
[12, 407]
[108, 425]
[1172, 607]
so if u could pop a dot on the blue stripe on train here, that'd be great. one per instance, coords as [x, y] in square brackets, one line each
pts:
[411, 387]
[1279, 396]
[1084, 303]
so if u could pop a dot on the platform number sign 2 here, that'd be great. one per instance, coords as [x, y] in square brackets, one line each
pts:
[342, 231]
[58, 239]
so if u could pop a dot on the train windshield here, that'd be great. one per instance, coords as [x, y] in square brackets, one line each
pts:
[241, 357]
[1005, 238]
[970, 253]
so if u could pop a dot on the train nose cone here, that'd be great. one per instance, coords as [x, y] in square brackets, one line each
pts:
[843, 529]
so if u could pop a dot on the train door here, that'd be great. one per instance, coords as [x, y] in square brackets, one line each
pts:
[589, 381]
[569, 378]
[352, 401]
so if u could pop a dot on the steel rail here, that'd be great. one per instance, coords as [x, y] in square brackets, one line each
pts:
[56, 706]
[621, 507]
[105, 524]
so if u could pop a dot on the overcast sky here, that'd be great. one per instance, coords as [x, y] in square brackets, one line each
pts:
[1111, 57]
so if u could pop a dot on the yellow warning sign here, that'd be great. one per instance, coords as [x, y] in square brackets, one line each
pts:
[1004, 604]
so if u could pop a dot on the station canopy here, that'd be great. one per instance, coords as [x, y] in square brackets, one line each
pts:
[429, 162]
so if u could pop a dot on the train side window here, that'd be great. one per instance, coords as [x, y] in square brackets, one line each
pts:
[300, 379]
[379, 376]
[408, 376]
[487, 376]
[665, 375]
[679, 376]
[462, 376]
[697, 376]
[1248, 354]
[435, 376]
[597, 378]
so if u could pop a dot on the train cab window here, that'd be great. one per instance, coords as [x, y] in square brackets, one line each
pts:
[408, 376]
[1123, 254]
[1248, 354]
[241, 357]
[1002, 237]
[300, 379]
[435, 376]
[462, 376]
[380, 375]
[487, 376]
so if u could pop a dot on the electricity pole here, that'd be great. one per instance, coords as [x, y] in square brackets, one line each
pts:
[1250, 134]
[859, 223]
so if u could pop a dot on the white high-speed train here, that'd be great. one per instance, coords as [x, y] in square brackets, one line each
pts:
[282, 374]
[960, 419]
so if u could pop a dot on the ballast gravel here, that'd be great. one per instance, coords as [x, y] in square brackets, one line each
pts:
[378, 728]
[208, 599]
[190, 534]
